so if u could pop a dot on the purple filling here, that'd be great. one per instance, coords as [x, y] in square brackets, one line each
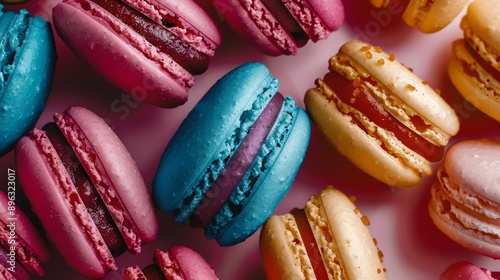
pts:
[238, 165]
[18, 271]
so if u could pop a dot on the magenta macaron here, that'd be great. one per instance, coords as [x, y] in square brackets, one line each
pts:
[468, 271]
[23, 250]
[87, 191]
[150, 49]
[279, 27]
[180, 262]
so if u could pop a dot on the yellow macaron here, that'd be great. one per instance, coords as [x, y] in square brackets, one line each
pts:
[380, 115]
[474, 68]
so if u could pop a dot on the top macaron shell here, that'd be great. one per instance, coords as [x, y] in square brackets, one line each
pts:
[195, 147]
[59, 221]
[434, 18]
[191, 263]
[25, 92]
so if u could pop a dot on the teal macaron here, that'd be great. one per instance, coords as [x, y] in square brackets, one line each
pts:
[234, 157]
[27, 62]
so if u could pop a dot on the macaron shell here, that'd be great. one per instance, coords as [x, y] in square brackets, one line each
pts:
[129, 186]
[380, 3]
[24, 97]
[405, 85]
[117, 60]
[360, 256]
[330, 12]
[192, 16]
[244, 25]
[193, 265]
[272, 185]
[353, 143]
[480, 89]
[465, 271]
[197, 144]
[482, 16]
[439, 15]
[64, 229]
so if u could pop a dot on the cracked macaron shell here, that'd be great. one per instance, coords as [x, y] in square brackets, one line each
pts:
[25, 92]
[465, 200]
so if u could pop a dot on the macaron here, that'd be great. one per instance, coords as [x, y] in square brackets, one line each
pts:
[382, 117]
[465, 200]
[87, 191]
[28, 63]
[180, 262]
[23, 250]
[327, 239]
[427, 16]
[467, 271]
[234, 156]
[150, 49]
[277, 27]
[474, 67]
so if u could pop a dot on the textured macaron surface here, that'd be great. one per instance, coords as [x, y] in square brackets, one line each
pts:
[465, 271]
[210, 136]
[466, 199]
[27, 61]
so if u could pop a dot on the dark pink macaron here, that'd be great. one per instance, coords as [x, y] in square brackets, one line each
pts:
[279, 27]
[179, 262]
[23, 250]
[150, 49]
[87, 191]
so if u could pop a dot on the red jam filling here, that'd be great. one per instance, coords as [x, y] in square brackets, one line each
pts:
[358, 95]
[309, 241]
[153, 272]
[483, 63]
[88, 194]
[158, 35]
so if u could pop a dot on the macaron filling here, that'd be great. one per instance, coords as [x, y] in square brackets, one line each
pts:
[96, 171]
[237, 166]
[358, 95]
[180, 75]
[13, 34]
[492, 71]
[310, 244]
[257, 172]
[290, 23]
[158, 35]
[88, 194]
[71, 196]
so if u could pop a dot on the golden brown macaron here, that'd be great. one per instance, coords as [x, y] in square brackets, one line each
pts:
[330, 223]
[474, 68]
[380, 115]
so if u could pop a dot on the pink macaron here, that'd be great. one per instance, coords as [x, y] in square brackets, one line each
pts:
[87, 191]
[468, 271]
[180, 262]
[279, 27]
[150, 49]
[23, 250]
[465, 202]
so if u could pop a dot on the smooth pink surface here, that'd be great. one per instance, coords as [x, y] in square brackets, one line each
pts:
[466, 271]
[191, 263]
[158, 79]
[331, 12]
[413, 248]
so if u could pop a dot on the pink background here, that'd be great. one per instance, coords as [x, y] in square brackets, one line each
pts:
[413, 248]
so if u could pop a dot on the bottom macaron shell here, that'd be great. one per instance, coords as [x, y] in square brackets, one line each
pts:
[118, 61]
[271, 186]
[354, 144]
[53, 210]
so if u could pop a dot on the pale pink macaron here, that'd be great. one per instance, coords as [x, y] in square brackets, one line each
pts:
[468, 271]
[465, 202]
[150, 49]
[23, 250]
[180, 262]
[279, 27]
[86, 190]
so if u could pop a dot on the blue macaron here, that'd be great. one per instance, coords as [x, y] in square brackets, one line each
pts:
[27, 61]
[234, 157]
